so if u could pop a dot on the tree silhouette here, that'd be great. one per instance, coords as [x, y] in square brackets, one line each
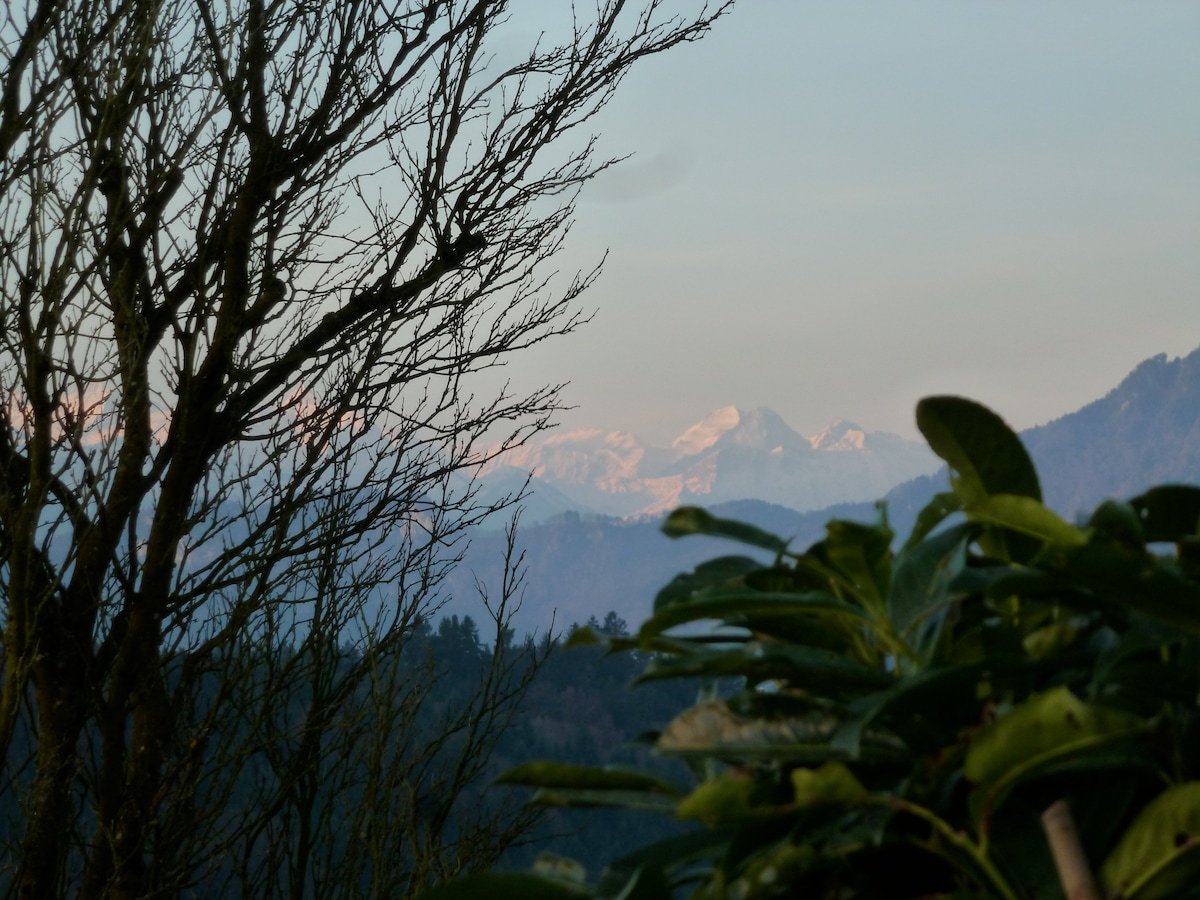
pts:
[252, 257]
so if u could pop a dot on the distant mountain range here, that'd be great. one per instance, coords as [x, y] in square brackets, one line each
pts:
[732, 454]
[1145, 431]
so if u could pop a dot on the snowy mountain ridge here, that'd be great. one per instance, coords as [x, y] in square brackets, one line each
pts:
[731, 454]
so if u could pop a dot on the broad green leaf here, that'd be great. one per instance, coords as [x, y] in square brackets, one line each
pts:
[1158, 856]
[787, 580]
[1147, 666]
[587, 798]
[1103, 787]
[568, 775]
[1103, 790]
[1169, 512]
[810, 668]
[505, 887]
[565, 784]
[584, 637]
[1025, 515]
[840, 633]
[986, 454]
[935, 703]
[922, 574]
[1023, 581]
[724, 571]
[714, 724]
[832, 783]
[1130, 576]
[985, 457]
[931, 516]
[694, 520]
[645, 883]
[862, 555]
[1123, 753]
[724, 799]
[1046, 727]
[559, 868]
[723, 603]
[768, 874]
[1052, 722]
[1117, 522]
[661, 856]
[713, 729]
[1049, 639]
[779, 703]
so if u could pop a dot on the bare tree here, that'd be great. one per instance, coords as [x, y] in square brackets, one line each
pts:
[252, 255]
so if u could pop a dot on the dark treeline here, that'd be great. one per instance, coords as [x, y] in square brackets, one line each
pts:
[568, 704]
[578, 708]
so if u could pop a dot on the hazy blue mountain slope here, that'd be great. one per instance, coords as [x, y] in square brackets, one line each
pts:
[1145, 431]
[575, 565]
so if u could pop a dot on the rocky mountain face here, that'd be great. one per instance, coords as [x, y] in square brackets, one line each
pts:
[732, 454]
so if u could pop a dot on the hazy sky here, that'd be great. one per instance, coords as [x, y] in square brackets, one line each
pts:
[838, 207]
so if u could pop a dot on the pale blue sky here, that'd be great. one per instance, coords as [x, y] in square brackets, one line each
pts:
[838, 207]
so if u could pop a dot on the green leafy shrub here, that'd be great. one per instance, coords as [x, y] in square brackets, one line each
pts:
[908, 714]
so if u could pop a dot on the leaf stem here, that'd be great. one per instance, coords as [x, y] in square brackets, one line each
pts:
[956, 838]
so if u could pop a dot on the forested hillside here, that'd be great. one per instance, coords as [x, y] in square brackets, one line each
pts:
[580, 709]
[1145, 431]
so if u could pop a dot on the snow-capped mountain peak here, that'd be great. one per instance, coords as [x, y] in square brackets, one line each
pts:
[759, 428]
[730, 454]
[839, 435]
[707, 431]
[763, 429]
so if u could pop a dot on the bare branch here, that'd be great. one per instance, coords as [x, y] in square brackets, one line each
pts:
[254, 256]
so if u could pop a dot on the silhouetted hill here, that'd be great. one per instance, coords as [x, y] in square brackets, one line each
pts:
[575, 565]
[802, 528]
[1146, 431]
